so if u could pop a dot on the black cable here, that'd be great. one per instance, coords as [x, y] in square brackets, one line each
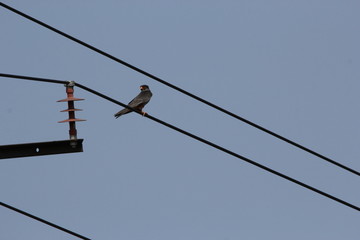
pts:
[194, 137]
[44, 221]
[182, 90]
[33, 78]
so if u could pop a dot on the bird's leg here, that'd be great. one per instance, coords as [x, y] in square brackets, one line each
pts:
[143, 113]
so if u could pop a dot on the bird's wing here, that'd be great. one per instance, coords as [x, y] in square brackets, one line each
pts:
[136, 101]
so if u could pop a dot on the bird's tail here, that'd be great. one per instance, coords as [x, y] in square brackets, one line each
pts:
[116, 115]
[122, 112]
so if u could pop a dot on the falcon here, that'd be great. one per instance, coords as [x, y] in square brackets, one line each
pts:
[138, 102]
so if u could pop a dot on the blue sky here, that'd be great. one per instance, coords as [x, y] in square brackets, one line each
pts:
[290, 66]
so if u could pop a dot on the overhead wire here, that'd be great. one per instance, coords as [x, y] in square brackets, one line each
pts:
[302, 147]
[192, 136]
[44, 221]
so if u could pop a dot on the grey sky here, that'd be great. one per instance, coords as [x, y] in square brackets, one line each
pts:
[290, 66]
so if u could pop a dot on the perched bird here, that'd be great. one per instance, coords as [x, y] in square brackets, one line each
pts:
[138, 102]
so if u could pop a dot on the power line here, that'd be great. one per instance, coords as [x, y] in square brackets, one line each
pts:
[182, 90]
[44, 221]
[194, 137]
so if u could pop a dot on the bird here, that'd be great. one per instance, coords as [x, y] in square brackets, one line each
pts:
[138, 102]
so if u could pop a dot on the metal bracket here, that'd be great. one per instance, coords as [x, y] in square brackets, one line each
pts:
[56, 147]
[40, 148]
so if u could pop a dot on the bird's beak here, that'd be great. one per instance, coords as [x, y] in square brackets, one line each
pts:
[141, 88]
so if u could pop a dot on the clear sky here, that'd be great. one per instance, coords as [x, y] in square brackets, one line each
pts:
[290, 66]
